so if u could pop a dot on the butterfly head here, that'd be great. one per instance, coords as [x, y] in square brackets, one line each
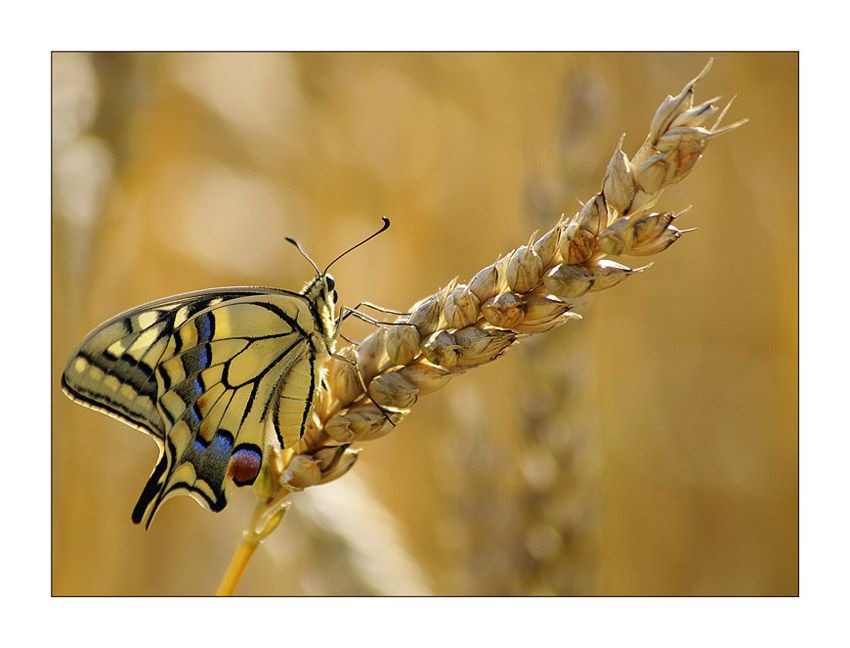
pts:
[322, 293]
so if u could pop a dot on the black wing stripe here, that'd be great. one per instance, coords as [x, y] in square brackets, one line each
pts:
[308, 404]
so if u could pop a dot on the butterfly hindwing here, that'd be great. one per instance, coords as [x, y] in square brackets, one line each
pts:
[202, 373]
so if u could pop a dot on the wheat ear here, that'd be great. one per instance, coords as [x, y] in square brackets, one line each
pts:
[528, 291]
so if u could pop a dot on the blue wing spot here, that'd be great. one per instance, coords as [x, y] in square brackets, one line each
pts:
[204, 356]
[205, 325]
[200, 444]
[195, 360]
[222, 444]
[196, 413]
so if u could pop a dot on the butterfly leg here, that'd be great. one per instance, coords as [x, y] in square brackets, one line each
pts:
[380, 309]
[346, 312]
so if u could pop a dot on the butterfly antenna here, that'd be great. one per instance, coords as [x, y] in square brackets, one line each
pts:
[368, 238]
[303, 253]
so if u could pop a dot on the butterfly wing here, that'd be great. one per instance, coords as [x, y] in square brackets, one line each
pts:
[202, 373]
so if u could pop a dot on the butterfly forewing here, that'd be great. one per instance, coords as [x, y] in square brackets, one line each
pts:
[202, 373]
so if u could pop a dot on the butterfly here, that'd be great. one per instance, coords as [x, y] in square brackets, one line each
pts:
[214, 377]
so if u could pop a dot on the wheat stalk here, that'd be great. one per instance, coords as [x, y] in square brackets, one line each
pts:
[528, 291]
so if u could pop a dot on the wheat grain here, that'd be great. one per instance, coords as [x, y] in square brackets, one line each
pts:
[528, 291]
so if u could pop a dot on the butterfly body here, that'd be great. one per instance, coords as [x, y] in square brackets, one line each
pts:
[213, 377]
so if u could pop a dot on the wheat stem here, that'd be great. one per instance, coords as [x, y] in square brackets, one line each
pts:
[247, 545]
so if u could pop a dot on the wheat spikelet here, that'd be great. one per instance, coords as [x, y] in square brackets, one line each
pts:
[525, 292]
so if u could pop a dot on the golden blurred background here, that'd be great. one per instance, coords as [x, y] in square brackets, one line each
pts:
[649, 449]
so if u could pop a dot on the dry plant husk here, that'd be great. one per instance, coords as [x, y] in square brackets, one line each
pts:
[525, 292]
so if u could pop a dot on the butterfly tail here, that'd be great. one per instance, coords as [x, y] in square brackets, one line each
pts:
[153, 494]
